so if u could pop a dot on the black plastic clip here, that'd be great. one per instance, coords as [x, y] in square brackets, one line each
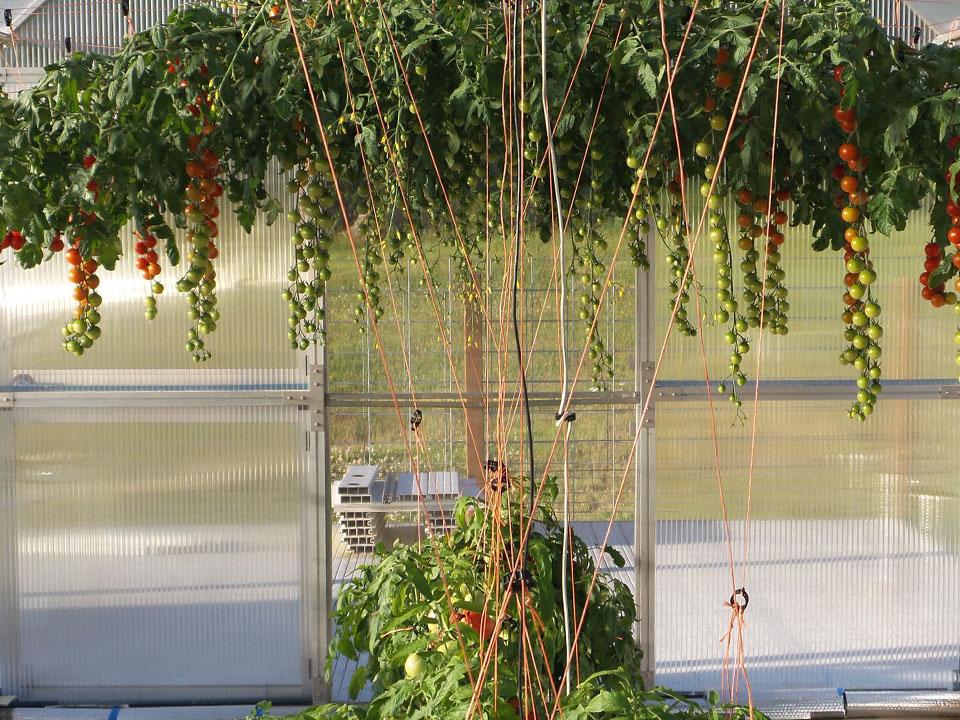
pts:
[916, 36]
[68, 44]
[125, 7]
[517, 580]
[739, 600]
[568, 417]
[497, 480]
[8, 17]
[415, 419]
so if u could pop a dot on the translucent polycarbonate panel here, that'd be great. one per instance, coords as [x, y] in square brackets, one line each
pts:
[424, 334]
[853, 546]
[250, 347]
[91, 27]
[159, 555]
[918, 339]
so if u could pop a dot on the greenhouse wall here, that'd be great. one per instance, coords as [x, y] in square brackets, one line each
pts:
[196, 562]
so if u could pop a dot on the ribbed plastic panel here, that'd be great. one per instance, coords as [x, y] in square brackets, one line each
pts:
[91, 25]
[854, 546]
[250, 347]
[899, 704]
[158, 555]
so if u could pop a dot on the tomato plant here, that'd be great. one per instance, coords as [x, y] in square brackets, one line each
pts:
[425, 632]
[430, 148]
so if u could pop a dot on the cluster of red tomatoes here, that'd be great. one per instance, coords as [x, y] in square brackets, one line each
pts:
[13, 239]
[754, 205]
[934, 293]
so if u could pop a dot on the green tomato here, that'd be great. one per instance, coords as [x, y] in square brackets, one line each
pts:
[413, 667]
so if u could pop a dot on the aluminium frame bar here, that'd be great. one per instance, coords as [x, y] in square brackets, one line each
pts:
[666, 391]
[645, 467]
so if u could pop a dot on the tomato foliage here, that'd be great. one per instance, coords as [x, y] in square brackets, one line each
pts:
[437, 140]
[421, 635]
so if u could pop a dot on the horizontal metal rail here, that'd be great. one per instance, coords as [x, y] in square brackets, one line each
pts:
[665, 391]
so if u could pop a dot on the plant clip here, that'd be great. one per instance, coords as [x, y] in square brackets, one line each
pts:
[415, 419]
[497, 480]
[8, 17]
[568, 417]
[518, 579]
[916, 36]
[739, 600]
[67, 44]
[125, 7]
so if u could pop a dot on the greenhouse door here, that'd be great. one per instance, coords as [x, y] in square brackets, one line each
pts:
[171, 569]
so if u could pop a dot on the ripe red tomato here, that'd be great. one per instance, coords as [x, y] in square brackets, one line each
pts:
[73, 256]
[844, 116]
[723, 79]
[931, 249]
[924, 277]
[784, 195]
[723, 56]
[838, 172]
[858, 164]
[848, 152]
[953, 235]
[849, 184]
[859, 198]
[838, 73]
[931, 264]
[849, 127]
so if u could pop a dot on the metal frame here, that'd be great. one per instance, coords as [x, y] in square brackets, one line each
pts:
[317, 575]
[645, 469]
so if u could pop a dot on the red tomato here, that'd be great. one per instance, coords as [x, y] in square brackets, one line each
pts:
[848, 152]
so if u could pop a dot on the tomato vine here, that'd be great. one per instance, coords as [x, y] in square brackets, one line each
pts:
[412, 96]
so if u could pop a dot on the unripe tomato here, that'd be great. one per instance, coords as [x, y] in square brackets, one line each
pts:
[850, 214]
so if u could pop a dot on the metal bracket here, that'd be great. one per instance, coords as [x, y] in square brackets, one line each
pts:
[6, 402]
[647, 370]
[316, 377]
[950, 392]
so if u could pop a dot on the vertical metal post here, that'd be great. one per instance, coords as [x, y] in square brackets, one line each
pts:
[9, 597]
[645, 467]
[322, 606]
[9, 593]
[473, 331]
